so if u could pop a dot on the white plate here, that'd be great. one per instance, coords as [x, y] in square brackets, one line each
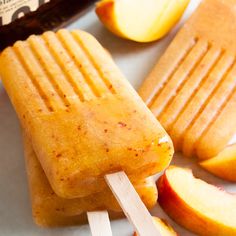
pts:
[135, 60]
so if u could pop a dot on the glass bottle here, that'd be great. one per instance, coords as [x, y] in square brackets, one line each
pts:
[21, 18]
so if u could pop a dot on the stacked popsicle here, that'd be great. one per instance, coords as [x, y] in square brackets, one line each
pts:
[82, 120]
[51, 210]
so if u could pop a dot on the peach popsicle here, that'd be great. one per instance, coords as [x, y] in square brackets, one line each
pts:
[82, 116]
[50, 210]
[192, 89]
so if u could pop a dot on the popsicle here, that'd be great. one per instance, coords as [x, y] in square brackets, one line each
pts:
[82, 116]
[192, 88]
[51, 210]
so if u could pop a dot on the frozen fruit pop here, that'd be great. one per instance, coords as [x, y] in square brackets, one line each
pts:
[82, 116]
[52, 210]
[192, 88]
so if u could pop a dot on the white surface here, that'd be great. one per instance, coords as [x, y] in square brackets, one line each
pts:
[135, 60]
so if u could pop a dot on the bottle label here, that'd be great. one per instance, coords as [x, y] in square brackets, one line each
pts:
[10, 10]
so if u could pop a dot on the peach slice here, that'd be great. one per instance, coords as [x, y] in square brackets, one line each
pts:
[224, 164]
[140, 20]
[164, 227]
[198, 206]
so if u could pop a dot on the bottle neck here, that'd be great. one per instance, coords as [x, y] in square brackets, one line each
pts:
[44, 15]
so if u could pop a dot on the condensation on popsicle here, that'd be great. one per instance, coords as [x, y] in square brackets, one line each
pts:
[82, 116]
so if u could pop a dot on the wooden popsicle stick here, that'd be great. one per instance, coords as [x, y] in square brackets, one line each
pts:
[99, 223]
[132, 205]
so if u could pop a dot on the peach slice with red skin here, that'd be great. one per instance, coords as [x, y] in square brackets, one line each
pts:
[196, 205]
[140, 20]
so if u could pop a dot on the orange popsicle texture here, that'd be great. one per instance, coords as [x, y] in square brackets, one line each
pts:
[192, 89]
[50, 210]
[82, 116]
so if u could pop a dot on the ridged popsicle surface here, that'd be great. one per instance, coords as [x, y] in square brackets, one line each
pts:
[82, 116]
[191, 90]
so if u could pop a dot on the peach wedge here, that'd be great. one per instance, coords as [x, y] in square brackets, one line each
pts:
[140, 20]
[196, 205]
[224, 164]
[164, 228]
